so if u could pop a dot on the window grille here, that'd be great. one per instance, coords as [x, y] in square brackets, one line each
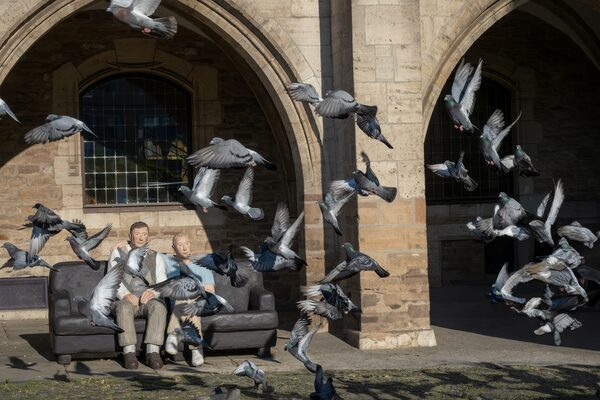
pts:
[143, 133]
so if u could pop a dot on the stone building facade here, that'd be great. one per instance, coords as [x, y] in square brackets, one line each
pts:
[235, 58]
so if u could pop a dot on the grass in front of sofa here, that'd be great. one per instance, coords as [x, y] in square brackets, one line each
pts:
[481, 382]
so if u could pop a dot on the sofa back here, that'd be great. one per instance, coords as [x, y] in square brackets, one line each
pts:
[239, 298]
[79, 279]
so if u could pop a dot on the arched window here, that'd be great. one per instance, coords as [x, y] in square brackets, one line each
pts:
[143, 133]
[443, 142]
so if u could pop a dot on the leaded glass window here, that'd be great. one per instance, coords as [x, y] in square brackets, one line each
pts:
[143, 133]
[443, 142]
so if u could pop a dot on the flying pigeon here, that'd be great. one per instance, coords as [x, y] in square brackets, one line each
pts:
[204, 187]
[321, 308]
[299, 330]
[462, 100]
[5, 110]
[575, 231]
[222, 263]
[243, 197]
[190, 334]
[300, 350]
[550, 271]
[186, 287]
[565, 253]
[208, 304]
[542, 229]
[20, 259]
[323, 391]
[98, 309]
[495, 295]
[56, 127]
[367, 121]
[282, 234]
[521, 161]
[491, 139]
[456, 171]
[355, 262]
[332, 294]
[136, 14]
[339, 193]
[230, 153]
[304, 92]
[507, 212]
[249, 369]
[340, 104]
[82, 244]
[46, 223]
[515, 231]
[559, 324]
[267, 261]
[134, 261]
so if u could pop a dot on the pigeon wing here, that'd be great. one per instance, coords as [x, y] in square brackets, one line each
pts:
[369, 173]
[336, 104]
[557, 201]
[542, 207]
[122, 3]
[244, 192]
[290, 233]
[96, 239]
[304, 92]
[508, 162]
[502, 276]
[299, 330]
[39, 237]
[440, 170]
[206, 184]
[497, 141]
[461, 77]
[5, 110]
[105, 291]
[226, 154]
[281, 222]
[145, 7]
[468, 99]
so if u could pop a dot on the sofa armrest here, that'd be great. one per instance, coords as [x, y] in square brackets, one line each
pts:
[60, 303]
[261, 299]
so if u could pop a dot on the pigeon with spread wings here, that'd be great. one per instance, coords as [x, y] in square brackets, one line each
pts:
[136, 13]
[461, 101]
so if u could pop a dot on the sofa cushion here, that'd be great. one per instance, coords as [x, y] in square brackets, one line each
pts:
[239, 298]
[240, 321]
[78, 325]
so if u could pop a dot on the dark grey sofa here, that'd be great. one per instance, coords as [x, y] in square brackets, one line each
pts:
[252, 326]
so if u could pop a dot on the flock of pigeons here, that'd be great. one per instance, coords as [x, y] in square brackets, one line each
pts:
[563, 271]
[326, 298]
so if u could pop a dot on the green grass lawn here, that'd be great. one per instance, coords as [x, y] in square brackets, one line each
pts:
[485, 382]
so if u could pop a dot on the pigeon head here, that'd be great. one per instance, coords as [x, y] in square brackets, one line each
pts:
[216, 140]
[348, 247]
[449, 99]
[227, 199]
[503, 198]
[52, 117]
[519, 150]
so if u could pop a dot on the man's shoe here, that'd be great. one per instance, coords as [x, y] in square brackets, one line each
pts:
[154, 361]
[130, 361]
[171, 344]
[197, 356]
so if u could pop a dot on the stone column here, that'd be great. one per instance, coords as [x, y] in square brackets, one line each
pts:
[378, 58]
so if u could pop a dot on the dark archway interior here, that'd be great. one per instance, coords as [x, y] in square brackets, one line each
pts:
[28, 170]
[555, 85]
